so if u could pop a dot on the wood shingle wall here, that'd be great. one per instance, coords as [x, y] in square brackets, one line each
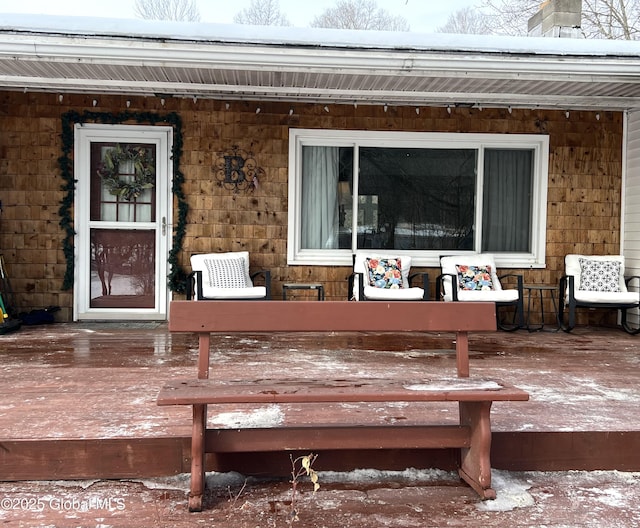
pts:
[585, 180]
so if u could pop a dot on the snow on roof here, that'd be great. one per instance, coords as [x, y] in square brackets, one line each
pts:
[311, 37]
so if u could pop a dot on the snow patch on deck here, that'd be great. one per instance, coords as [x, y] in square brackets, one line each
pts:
[454, 385]
[270, 416]
[511, 493]
[584, 390]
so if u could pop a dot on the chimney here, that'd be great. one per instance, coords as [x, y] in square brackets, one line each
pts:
[557, 18]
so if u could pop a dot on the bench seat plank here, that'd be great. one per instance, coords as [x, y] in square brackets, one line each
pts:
[207, 391]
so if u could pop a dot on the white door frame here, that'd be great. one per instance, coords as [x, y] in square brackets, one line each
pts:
[162, 138]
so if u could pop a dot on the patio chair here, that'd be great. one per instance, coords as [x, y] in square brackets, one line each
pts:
[379, 277]
[474, 278]
[225, 276]
[592, 281]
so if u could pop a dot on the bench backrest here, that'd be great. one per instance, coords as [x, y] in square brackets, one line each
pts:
[205, 317]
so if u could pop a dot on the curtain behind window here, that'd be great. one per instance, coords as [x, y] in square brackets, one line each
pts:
[506, 217]
[320, 171]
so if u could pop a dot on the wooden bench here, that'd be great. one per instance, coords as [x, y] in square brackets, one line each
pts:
[472, 435]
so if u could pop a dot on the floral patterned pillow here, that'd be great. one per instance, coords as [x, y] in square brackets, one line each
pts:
[599, 275]
[384, 273]
[471, 278]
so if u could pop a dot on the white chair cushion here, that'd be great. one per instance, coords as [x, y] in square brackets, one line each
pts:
[401, 293]
[386, 294]
[451, 264]
[254, 292]
[487, 296]
[606, 297]
[223, 270]
[226, 276]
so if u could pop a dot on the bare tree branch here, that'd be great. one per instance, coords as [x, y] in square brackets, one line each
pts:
[179, 10]
[608, 19]
[262, 13]
[510, 17]
[611, 19]
[467, 21]
[359, 14]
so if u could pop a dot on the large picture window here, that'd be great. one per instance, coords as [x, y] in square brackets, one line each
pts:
[425, 194]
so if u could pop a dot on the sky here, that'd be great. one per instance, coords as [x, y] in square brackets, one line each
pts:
[424, 16]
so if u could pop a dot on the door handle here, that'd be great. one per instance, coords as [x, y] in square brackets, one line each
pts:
[164, 226]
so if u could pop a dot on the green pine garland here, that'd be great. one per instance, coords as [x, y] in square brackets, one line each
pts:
[177, 279]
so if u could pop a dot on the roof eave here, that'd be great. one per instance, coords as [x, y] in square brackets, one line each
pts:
[78, 63]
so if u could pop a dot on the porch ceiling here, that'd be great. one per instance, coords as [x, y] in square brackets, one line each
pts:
[299, 71]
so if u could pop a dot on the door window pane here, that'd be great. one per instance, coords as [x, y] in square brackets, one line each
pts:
[123, 182]
[122, 268]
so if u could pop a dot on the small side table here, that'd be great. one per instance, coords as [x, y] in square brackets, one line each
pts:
[303, 286]
[541, 288]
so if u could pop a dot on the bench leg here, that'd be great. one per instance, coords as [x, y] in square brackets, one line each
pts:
[475, 461]
[198, 457]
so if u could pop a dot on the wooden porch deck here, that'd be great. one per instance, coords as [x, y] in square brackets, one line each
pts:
[78, 400]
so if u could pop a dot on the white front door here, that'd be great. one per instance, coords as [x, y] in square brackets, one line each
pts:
[122, 221]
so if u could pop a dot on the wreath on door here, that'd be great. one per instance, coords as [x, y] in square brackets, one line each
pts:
[127, 186]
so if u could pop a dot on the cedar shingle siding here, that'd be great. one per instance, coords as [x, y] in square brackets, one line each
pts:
[585, 178]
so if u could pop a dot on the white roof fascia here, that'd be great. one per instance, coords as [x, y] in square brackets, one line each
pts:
[270, 58]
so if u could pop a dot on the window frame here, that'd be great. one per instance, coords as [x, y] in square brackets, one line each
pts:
[538, 143]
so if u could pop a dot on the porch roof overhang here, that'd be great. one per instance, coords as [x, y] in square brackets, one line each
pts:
[87, 55]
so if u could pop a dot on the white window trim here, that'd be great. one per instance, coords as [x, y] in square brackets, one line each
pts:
[539, 144]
